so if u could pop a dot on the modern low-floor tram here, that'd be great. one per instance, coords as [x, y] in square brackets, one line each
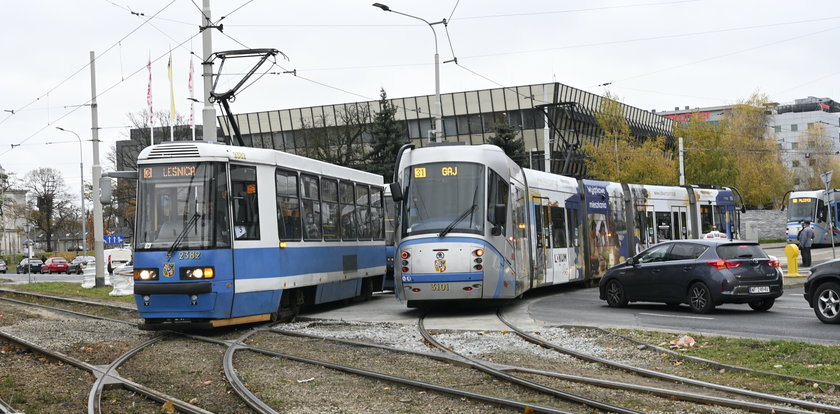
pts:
[228, 235]
[473, 225]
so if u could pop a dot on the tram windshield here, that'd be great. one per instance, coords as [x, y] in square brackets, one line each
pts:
[802, 208]
[444, 196]
[170, 196]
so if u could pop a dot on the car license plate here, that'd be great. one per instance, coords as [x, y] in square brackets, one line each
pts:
[760, 289]
[440, 287]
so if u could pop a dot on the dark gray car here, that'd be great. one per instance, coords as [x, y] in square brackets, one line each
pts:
[703, 273]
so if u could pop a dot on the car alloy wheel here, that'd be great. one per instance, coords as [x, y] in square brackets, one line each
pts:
[615, 294]
[699, 298]
[827, 303]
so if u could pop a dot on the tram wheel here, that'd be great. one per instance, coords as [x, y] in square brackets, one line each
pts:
[290, 304]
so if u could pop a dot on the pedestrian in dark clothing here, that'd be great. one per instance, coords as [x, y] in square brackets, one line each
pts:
[806, 239]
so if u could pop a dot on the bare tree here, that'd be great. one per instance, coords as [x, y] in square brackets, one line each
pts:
[49, 202]
[341, 142]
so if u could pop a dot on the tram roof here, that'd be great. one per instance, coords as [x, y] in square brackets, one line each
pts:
[182, 151]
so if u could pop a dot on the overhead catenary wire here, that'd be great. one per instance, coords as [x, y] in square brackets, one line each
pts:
[104, 92]
[99, 56]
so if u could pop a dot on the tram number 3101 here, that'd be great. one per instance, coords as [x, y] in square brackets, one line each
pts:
[440, 287]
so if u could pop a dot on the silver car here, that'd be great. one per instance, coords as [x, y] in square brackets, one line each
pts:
[2, 266]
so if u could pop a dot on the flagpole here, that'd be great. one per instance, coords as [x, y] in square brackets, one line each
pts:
[149, 103]
[172, 116]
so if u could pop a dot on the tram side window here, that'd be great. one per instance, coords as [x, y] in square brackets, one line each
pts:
[706, 219]
[558, 227]
[329, 207]
[498, 190]
[309, 192]
[347, 206]
[663, 225]
[377, 215]
[246, 216]
[363, 211]
[573, 220]
[288, 205]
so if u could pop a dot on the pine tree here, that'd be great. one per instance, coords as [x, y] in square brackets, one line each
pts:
[386, 139]
[507, 138]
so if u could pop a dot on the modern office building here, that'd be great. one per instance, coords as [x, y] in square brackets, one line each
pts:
[563, 113]
[793, 125]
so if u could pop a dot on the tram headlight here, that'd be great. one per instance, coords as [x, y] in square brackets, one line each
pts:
[405, 255]
[145, 274]
[194, 273]
[478, 252]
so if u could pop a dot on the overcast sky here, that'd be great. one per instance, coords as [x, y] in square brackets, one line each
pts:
[653, 54]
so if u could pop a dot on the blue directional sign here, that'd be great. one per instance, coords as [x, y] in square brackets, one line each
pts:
[114, 239]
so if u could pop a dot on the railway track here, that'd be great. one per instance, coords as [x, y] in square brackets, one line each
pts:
[249, 343]
[823, 408]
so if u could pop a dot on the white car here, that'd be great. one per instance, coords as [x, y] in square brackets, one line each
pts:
[116, 257]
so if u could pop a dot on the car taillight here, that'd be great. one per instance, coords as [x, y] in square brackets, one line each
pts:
[774, 263]
[721, 264]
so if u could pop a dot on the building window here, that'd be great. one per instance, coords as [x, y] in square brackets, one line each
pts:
[810, 125]
[794, 127]
[794, 145]
[795, 163]
[811, 162]
[777, 129]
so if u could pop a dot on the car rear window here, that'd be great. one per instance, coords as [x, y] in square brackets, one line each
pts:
[60, 261]
[740, 251]
[686, 251]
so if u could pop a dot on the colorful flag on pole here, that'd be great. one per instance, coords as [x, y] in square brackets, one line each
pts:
[149, 94]
[172, 114]
[823, 106]
[192, 96]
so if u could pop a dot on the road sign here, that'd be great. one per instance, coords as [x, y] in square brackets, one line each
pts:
[826, 177]
[114, 239]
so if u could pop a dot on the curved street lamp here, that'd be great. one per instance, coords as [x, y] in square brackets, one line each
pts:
[437, 114]
[82, 172]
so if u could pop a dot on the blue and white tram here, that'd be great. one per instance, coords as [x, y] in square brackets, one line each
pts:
[811, 206]
[473, 225]
[228, 235]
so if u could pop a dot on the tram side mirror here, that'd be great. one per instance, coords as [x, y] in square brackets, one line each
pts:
[499, 219]
[396, 192]
[105, 190]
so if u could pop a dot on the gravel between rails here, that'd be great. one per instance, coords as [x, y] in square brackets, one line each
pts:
[193, 371]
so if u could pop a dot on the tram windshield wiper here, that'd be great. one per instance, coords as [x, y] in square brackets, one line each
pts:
[180, 238]
[457, 220]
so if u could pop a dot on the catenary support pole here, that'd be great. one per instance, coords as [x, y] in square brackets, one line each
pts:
[98, 230]
[208, 113]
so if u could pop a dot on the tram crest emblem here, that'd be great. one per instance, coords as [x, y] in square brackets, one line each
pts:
[440, 265]
[169, 269]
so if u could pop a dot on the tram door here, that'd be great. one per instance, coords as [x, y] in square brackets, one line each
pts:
[679, 222]
[645, 227]
[543, 269]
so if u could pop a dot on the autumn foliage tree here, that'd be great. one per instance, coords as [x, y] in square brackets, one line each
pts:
[738, 153]
[624, 158]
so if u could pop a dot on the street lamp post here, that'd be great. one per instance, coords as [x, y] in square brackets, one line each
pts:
[437, 114]
[29, 243]
[82, 172]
